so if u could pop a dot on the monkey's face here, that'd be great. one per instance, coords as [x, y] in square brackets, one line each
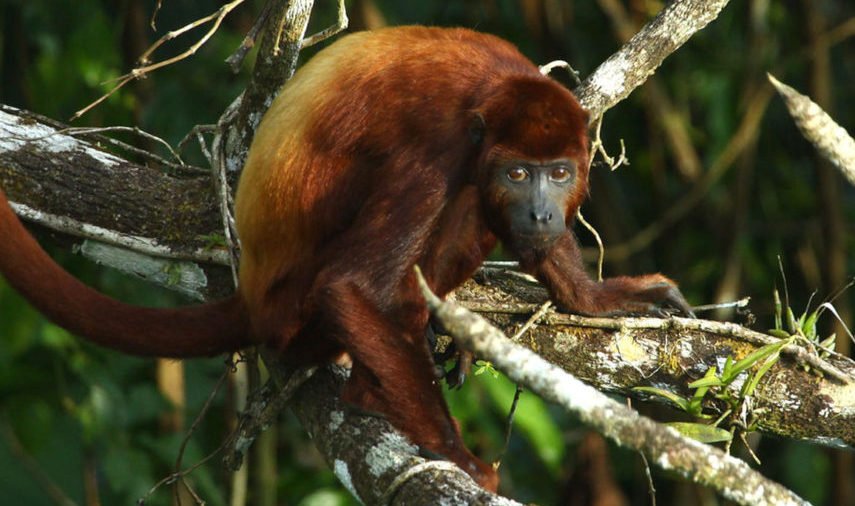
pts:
[530, 201]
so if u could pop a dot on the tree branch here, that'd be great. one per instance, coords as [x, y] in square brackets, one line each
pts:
[72, 186]
[618, 354]
[639, 58]
[703, 464]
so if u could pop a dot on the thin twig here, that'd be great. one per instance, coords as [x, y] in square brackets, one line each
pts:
[201, 416]
[549, 67]
[597, 147]
[597, 238]
[339, 26]
[236, 59]
[198, 132]
[261, 411]
[146, 67]
[135, 130]
[736, 304]
[153, 21]
[651, 488]
[509, 427]
[221, 182]
[509, 424]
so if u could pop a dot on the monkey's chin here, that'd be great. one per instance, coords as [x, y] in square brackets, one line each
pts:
[532, 247]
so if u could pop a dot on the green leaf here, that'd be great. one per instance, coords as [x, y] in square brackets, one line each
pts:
[791, 321]
[749, 387]
[809, 325]
[701, 432]
[777, 298]
[725, 371]
[214, 240]
[680, 401]
[753, 358]
[781, 334]
[829, 342]
[706, 382]
[483, 366]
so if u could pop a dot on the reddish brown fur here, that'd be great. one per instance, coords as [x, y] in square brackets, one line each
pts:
[185, 332]
[362, 168]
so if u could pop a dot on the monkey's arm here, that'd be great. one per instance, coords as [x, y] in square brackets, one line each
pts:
[563, 273]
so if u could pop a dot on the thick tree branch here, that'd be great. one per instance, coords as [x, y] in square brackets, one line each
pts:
[372, 460]
[72, 186]
[617, 355]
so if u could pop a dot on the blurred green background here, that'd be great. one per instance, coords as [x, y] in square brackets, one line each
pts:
[90, 425]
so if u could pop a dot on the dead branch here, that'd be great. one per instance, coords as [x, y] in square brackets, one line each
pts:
[146, 67]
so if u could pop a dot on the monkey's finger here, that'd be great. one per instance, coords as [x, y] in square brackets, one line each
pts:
[674, 298]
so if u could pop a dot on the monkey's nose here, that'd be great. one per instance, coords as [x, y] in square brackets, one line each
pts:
[543, 216]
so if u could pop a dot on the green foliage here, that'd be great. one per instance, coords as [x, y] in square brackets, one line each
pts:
[722, 386]
[804, 329]
[482, 366]
[701, 432]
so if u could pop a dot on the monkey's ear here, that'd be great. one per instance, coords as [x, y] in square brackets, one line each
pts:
[477, 128]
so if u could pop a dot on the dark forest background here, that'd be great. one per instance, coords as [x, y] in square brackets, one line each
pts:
[95, 425]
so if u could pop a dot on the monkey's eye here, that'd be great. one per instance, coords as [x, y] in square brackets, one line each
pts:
[517, 174]
[560, 174]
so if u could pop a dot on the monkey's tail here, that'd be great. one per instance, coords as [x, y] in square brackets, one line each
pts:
[189, 331]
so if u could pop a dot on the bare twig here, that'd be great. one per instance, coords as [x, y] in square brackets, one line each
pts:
[154, 13]
[509, 427]
[195, 425]
[262, 409]
[198, 132]
[339, 26]
[597, 238]
[549, 67]
[224, 192]
[236, 59]
[651, 488]
[597, 147]
[146, 67]
[737, 304]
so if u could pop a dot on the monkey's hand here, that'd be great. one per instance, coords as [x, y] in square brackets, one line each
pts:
[651, 294]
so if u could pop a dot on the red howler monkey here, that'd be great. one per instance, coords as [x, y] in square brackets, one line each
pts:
[389, 149]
